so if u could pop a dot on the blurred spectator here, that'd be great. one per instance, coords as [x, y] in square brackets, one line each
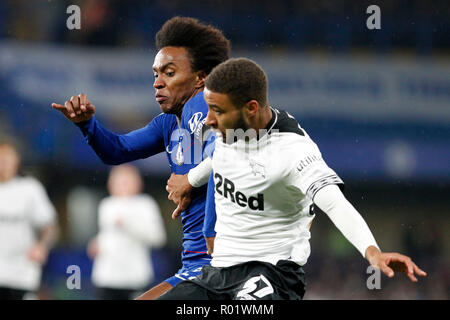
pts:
[130, 224]
[27, 228]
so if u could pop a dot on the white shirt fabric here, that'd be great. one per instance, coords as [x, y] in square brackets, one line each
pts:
[124, 260]
[199, 175]
[277, 176]
[24, 209]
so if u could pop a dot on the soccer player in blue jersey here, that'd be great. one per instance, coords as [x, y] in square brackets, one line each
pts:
[188, 51]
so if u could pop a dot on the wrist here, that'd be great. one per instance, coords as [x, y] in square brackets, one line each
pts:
[192, 181]
[372, 253]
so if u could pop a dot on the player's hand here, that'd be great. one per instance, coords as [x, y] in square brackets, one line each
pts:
[179, 190]
[210, 244]
[77, 109]
[390, 262]
[38, 253]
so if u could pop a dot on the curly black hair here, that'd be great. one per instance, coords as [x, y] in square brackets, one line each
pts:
[241, 79]
[206, 44]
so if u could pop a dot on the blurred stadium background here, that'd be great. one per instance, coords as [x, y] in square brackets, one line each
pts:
[377, 102]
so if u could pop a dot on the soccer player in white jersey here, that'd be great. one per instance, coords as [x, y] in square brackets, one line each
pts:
[267, 178]
[130, 225]
[28, 227]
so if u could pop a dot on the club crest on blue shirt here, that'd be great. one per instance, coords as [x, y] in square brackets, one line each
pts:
[195, 124]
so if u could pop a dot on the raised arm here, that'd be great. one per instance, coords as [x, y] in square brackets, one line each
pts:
[112, 148]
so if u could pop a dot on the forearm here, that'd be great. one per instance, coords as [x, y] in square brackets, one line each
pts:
[199, 175]
[345, 217]
[114, 149]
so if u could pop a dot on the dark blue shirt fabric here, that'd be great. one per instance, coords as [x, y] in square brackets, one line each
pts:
[185, 146]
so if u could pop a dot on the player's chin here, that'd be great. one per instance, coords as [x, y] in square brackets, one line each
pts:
[167, 107]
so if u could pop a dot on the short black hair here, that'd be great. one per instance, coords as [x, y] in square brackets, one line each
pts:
[241, 79]
[206, 44]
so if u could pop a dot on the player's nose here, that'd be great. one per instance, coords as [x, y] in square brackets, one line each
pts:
[211, 121]
[159, 83]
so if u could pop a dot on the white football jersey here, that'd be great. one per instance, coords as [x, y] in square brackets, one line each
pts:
[123, 261]
[24, 208]
[264, 192]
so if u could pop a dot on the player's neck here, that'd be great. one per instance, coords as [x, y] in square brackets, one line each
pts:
[263, 119]
[194, 93]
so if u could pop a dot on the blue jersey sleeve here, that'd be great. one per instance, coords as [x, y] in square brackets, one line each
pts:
[114, 149]
[210, 210]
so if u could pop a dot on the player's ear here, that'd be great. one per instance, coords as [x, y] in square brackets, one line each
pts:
[200, 79]
[251, 108]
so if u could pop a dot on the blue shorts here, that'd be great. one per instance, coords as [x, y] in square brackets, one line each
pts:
[185, 273]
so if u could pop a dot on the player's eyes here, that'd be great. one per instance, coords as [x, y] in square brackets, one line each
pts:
[155, 75]
[170, 73]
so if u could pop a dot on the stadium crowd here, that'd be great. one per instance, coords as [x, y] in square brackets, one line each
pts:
[291, 24]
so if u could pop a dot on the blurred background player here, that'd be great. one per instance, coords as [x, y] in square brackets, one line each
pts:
[28, 227]
[130, 224]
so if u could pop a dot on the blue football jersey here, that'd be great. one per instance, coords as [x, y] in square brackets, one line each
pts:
[185, 144]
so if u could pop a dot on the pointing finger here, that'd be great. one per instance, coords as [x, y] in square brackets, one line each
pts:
[58, 107]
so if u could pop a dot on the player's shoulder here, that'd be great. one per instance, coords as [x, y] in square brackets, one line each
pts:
[163, 122]
[194, 107]
[107, 201]
[30, 182]
[290, 135]
[164, 117]
[197, 101]
[286, 123]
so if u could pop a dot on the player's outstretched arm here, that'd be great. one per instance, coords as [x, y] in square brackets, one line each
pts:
[113, 148]
[351, 224]
[77, 109]
[390, 262]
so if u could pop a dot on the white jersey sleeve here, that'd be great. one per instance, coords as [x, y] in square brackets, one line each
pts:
[345, 217]
[199, 175]
[309, 172]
